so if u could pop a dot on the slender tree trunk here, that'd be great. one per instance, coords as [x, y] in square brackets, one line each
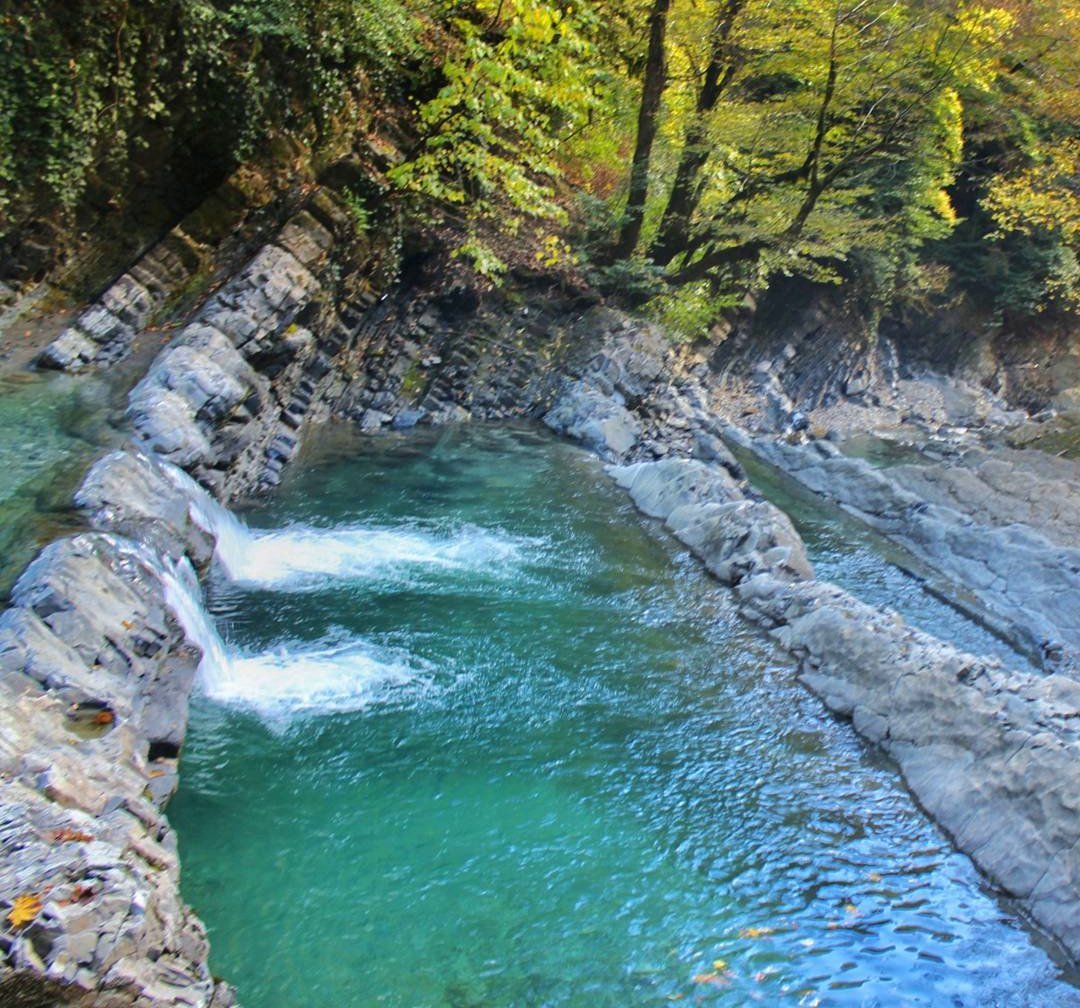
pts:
[675, 223]
[816, 184]
[648, 120]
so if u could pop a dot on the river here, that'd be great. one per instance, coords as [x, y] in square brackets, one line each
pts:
[481, 735]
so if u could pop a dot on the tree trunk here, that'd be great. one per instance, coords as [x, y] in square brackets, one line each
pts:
[648, 120]
[685, 193]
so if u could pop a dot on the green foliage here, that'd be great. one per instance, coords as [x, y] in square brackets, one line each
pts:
[882, 143]
[90, 90]
[689, 312]
[517, 81]
[358, 210]
[632, 280]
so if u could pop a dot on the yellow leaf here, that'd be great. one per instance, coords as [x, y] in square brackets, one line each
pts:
[756, 932]
[24, 909]
[719, 964]
[851, 908]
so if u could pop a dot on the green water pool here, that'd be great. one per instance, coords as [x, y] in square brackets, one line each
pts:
[549, 766]
[51, 426]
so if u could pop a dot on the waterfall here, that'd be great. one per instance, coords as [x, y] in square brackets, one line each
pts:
[184, 597]
[299, 557]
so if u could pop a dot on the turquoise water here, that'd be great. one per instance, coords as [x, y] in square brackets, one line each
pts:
[848, 553]
[882, 453]
[51, 426]
[519, 751]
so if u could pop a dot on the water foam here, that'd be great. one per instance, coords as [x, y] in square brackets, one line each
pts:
[299, 557]
[294, 679]
[304, 556]
[316, 680]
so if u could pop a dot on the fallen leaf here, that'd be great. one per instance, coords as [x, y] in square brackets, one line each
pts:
[24, 909]
[851, 908]
[104, 717]
[68, 835]
[756, 932]
[719, 964]
[874, 876]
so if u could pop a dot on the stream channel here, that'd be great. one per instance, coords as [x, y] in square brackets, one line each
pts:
[477, 734]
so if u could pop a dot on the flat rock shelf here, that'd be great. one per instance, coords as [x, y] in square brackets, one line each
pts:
[479, 734]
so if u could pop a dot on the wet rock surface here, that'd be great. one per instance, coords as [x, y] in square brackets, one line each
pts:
[95, 674]
[992, 754]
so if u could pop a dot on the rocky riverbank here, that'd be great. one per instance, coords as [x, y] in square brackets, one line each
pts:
[97, 670]
[95, 667]
[992, 754]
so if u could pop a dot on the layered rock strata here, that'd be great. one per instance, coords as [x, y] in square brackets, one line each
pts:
[95, 673]
[103, 333]
[261, 358]
[1019, 581]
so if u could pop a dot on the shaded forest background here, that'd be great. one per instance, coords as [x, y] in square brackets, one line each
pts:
[679, 155]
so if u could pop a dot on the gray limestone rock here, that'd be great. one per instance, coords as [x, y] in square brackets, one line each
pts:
[94, 677]
[596, 420]
[1018, 579]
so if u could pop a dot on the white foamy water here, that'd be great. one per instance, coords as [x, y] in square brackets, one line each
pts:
[313, 680]
[290, 680]
[301, 557]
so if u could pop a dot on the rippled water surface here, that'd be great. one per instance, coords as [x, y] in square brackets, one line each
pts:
[848, 553]
[51, 425]
[492, 741]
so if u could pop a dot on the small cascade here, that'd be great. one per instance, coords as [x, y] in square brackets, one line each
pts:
[233, 539]
[184, 596]
[321, 678]
[311, 678]
[297, 558]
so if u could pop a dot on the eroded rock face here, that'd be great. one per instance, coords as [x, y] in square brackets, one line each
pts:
[94, 677]
[104, 332]
[599, 407]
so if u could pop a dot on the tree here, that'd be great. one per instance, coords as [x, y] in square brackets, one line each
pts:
[516, 82]
[647, 124]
